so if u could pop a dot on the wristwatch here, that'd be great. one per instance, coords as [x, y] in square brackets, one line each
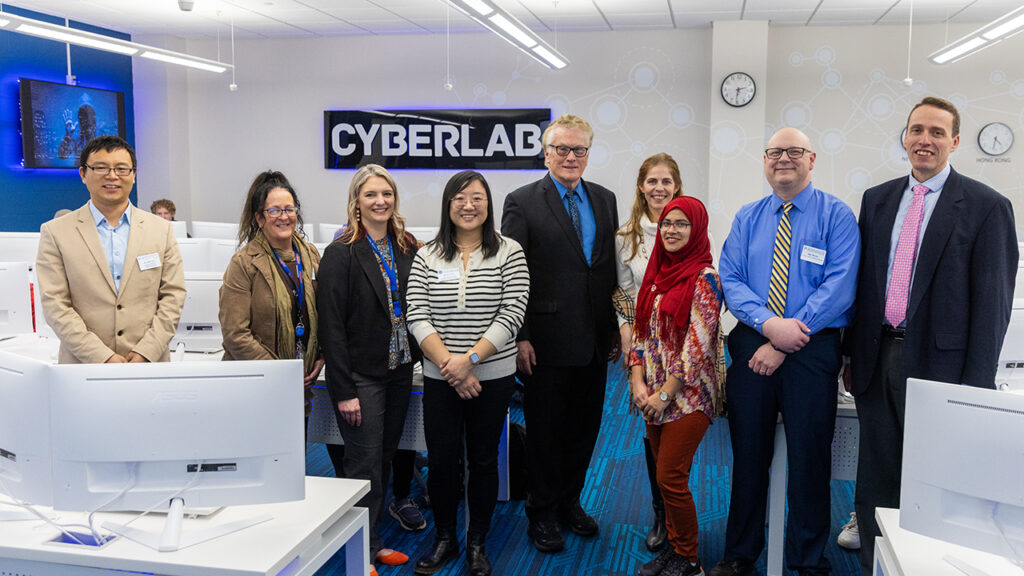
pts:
[663, 396]
[474, 358]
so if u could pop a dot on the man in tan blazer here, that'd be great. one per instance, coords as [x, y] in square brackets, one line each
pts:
[111, 280]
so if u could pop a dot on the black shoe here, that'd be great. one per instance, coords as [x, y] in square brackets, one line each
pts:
[545, 536]
[680, 566]
[657, 565]
[578, 521]
[476, 555]
[732, 568]
[658, 534]
[446, 547]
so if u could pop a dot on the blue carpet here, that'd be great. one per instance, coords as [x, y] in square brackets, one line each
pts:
[617, 494]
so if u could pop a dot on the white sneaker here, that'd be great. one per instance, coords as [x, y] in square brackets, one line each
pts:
[849, 536]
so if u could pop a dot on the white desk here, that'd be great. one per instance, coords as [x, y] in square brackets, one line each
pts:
[844, 467]
[302, 537]
[899, 552]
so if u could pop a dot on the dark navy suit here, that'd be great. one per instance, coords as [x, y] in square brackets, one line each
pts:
[958, 310]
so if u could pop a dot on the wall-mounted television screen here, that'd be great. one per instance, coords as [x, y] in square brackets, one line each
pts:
[57, 120]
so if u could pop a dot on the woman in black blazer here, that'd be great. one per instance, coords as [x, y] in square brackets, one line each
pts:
[368, 351]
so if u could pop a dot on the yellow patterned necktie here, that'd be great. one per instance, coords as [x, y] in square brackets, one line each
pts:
[780, 264]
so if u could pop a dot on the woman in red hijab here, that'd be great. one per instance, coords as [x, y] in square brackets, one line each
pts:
[677, 369]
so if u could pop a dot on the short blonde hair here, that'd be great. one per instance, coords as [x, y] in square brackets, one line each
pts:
[570, 122]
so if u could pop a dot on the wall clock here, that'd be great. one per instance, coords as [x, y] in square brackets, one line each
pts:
[995, 139]
[738, 89]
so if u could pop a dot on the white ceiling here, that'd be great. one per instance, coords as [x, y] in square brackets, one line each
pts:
[311, 18]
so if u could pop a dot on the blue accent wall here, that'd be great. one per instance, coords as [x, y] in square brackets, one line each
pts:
[29, 197]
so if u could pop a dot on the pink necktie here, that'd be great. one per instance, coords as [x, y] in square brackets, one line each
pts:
[903, 262]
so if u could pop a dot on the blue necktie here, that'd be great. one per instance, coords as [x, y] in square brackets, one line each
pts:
[574, 215]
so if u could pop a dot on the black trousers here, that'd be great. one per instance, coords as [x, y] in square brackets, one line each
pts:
[804, 390]
[563, 408]
[451, 423]
[880, 411]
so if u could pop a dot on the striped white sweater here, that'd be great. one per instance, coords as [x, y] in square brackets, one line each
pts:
[461, 304]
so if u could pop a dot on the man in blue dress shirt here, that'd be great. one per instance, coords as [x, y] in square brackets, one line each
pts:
[789, 273]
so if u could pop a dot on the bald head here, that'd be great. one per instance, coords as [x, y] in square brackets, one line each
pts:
[788, 176]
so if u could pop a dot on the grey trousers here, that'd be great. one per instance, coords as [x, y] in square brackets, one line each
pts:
[370, 446]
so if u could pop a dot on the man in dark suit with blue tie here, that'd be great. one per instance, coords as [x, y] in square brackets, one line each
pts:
[938, 263]
[566, 227]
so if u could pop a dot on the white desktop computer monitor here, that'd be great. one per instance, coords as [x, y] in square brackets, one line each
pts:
[221, 251]
[423, 234]
[325, 232]
[175, 435]
[221, 230]
[19, 247]
[195, 254]
[24, 433]
[199, 326]
[180, 228]
[963, 466]
[15, 298]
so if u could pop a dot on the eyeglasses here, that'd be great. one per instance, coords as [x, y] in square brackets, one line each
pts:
[673, 224]
[475, 200]
[275, 211]
[578, 151]
[794, 153]
[104, 170]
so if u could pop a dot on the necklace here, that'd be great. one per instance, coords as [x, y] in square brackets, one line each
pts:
[468, 246]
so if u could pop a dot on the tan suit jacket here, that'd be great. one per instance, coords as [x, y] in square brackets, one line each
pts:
[92, 319]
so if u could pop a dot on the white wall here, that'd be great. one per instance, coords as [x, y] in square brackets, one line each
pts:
[644, 92]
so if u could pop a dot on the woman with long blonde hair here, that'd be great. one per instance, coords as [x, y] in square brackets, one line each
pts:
[362, 305]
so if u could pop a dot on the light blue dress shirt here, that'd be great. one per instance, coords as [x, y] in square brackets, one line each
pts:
[935, 184]
[113, 240]
[818, 294]
[588, 226]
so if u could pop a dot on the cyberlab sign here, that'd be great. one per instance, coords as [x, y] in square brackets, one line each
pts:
[445, 139]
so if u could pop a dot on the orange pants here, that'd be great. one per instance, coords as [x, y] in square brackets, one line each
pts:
[674, 445]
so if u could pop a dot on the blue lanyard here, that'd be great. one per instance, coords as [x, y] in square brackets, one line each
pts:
[392, 275]
[299, 288]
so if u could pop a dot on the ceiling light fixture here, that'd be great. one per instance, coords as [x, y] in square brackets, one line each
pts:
[992, 33]
[510, 29]
[69, 35]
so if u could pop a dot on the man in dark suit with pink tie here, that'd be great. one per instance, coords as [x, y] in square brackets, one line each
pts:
[938, 263]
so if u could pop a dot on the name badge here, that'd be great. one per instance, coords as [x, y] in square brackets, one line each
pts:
[147, 261]
[812, 255]
[449, 275]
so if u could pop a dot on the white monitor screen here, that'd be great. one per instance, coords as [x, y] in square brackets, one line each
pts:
[221, 230]
[24, 430]
[19, 247]
[963, 466]
[15, 298]
[325, 232]
[210, 433]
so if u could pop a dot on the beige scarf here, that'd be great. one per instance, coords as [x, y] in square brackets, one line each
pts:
[283, 304]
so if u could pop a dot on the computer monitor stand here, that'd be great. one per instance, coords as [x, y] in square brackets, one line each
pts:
[173, 537]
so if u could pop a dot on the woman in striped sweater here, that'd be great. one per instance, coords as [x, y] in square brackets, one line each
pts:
[467, 298]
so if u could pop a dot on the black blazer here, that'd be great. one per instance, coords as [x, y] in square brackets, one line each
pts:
[355, 314]
[962, 290]
[569, 317]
